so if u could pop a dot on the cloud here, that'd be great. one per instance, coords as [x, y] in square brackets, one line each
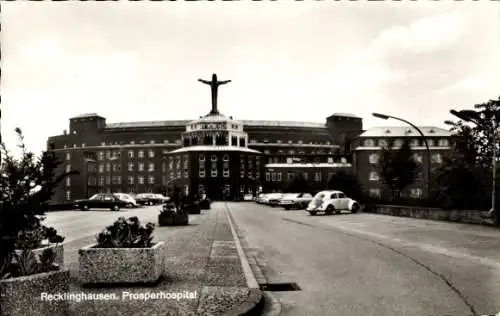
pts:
[424, 35]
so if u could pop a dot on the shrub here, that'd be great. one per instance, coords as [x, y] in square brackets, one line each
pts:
[126, 233]
[169, 209]
[26, 187]
[27, 263]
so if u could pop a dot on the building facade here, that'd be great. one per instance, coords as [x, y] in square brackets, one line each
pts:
[153, 156]
[368, 145]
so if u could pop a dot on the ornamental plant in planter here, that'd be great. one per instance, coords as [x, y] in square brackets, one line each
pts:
[170, 215]
[123, 254]
[40, 237]
[26, 187]
[25, 276]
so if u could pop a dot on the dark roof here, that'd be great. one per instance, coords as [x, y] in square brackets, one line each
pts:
[255, 123]
[405, 131]
[87, 115]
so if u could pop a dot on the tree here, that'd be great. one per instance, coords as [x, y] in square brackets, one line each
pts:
[464, 178]
[346, 182]
[397, 168]
[477, 128]
[297, 184]
[26, 187]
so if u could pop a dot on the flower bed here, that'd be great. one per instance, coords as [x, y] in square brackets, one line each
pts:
[171, 216]
[124, 254]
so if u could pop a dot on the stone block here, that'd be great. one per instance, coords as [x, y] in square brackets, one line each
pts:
[121, 265]
[30, 295]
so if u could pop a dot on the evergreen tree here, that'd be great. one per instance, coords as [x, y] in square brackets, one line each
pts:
[297, 184]
[26, 187]
[346, 182]
[397, 168]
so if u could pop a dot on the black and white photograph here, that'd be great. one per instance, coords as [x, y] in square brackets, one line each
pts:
[293, 158]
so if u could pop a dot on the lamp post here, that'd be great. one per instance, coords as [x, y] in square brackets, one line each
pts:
[385, 117]
[474, 117]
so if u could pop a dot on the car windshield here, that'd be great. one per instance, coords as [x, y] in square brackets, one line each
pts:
[94, 197]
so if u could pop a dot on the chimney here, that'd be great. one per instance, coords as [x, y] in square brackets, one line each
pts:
[65, 132]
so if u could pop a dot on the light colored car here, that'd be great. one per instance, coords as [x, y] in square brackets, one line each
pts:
[261, 198]
[161, 198]
[330, 202]
[296, 200]
[273, 199]
[248, 197]
[127, 198]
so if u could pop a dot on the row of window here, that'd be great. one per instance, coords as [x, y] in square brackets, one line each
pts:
[300, 142]
[398, 142]
[152, 142]
[101, 180]
[276, 176]
[374, 176]
[415, 193]
[166, 142]
[117, 154]
[293, 152]
[436, 158]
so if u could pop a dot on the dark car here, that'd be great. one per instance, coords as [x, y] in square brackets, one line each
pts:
[101, 200]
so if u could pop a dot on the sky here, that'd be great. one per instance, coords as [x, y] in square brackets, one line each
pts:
[297, 61]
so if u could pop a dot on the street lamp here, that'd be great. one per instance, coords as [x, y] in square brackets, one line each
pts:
[385, 117]
[474, 117]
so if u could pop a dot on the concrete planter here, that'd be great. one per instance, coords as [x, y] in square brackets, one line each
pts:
[121, 265]
[169, 220]
[57, 248]
[27, 295]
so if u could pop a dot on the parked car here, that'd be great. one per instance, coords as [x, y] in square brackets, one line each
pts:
[160, 198]
[330, 202]
[296, 200]
[248, 197]
[274, 199]
[131, 202]
[263, 198]
[259, 199]
[150, 199]
[101, 200]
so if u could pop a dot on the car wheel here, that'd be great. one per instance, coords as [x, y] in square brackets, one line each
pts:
[355, 208]
[130, 205]
[85, 207]
[287, 208]
[115, 208]
[329, 210]
[313, 213]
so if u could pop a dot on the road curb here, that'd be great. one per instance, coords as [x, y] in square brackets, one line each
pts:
[272, 306]
[254, 303]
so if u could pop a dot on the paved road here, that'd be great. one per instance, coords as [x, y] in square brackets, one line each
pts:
[367, 264]
[76, 225]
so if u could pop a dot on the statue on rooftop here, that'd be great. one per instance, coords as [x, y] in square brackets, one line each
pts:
[214, 86]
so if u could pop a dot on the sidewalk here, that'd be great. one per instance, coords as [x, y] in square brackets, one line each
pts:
[201, 258]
